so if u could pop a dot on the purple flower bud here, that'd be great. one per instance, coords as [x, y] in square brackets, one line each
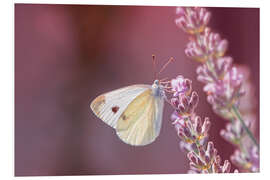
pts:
[218, 160]
[193, 19]
[222, 65]
[215, 152]
[210, 149]
[175, 102]
[187, 133]
[210, 88]
[215, 167]
[186, 147]
[200, 70]
[207, 159]
[194, 147]
[188, 84]
[201, 13]
[210, 99]
[227, 136]
[191, 171]
[206, 126]
[181, 134]
[220, 88]
[174, 116]
[189, 53]
[181, 109]
[184, 100]
[200, 162]
[189, 125]
[211, 41]
[180, 11]
[194, 100]
[192, 157]
[198, 124]
[216, 37]
[226, 167]
[181, 23]
[206, 18]
[235, 77]
[193, 165]
[222, 47]
[204, 79]
[201, 152]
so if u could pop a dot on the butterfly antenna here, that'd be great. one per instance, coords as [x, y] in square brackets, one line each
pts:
[163, 79]
[155, 65]
[166, 64]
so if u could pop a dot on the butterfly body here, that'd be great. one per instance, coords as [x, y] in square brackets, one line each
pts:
[135, 112]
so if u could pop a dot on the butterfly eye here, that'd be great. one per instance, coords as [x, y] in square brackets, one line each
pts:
[156, 82]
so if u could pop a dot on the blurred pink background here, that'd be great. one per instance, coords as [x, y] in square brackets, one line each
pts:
[66, 55]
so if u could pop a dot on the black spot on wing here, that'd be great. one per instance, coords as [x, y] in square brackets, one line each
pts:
[115, 109]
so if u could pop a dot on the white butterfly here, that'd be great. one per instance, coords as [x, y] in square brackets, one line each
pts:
[135, 112]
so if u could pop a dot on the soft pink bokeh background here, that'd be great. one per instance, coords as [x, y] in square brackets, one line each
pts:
[67, 55]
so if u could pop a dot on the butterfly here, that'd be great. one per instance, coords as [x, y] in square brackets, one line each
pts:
[135, 112]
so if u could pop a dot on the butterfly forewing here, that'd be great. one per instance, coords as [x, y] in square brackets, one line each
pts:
[109, 106]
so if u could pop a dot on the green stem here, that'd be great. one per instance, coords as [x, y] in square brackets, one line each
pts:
[238, 141]
[238, 115]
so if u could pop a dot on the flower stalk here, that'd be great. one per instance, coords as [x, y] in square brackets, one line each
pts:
[238, 115]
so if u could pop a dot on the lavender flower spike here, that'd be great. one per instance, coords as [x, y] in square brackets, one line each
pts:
[193, 131]
[181, 85]
[192, 21]
[223, 83]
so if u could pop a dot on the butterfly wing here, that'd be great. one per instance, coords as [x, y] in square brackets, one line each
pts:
[140, 123]
[109, 106]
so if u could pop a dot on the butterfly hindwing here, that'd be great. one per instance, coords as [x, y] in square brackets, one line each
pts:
[140, 123]
[109, 106]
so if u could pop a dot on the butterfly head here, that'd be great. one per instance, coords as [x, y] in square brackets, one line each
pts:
[156, 82]
[157, 89]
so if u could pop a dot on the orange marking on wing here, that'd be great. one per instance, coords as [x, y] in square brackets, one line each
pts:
[95, 105]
